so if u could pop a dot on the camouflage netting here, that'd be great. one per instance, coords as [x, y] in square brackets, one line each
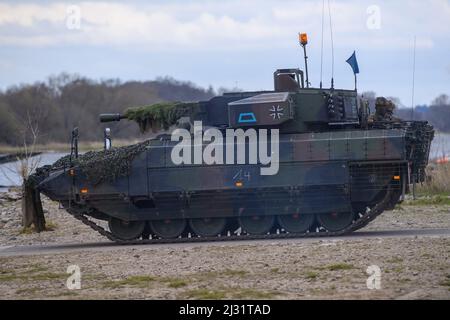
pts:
[160, 115]
[98, 166]
[106, 165]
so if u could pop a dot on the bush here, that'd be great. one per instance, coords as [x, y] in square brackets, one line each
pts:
[438, 180]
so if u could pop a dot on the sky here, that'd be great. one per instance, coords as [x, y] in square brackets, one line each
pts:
[233, 43]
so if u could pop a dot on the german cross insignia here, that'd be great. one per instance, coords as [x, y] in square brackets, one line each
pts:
[276, 112]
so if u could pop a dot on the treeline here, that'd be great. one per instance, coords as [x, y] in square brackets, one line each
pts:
[438, 113]
[50, 109]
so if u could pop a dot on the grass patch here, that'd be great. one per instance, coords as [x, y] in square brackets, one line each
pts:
[27, 230]
[395, 260]
[438, 181]
[27, 291]
[235, 273]
[8, 277]
[33, 277]
[204, 294]
[446, 282]
[208, 275]
[429, 200]
[176, 283]
[339, 266]
[34, 268]
[50, 226]
[252, 294]
[47, 276]
[133, 281]
[233, 293]
[311, 275]
[397, 269]
[33, 272]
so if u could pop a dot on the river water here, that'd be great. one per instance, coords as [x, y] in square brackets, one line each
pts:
[9, 176]
[440, 146]
[9, 171]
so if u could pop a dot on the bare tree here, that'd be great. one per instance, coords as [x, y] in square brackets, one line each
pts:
[32, 212]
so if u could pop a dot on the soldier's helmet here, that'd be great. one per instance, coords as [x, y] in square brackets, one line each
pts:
[383, 104]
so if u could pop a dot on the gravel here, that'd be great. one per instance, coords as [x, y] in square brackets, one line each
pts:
[411, 268]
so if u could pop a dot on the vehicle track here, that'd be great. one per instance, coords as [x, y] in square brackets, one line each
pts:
[361, 220]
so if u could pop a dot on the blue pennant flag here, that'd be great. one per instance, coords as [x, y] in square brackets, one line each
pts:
[353, 63]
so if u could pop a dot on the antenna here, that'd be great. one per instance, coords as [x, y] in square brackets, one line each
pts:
[332, 46]
[412, 106]
[321, 47]
[413, 79]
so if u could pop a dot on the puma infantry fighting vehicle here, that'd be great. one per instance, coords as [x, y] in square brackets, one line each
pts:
[293, 161]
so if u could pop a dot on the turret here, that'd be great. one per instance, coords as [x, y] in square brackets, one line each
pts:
[290, 106]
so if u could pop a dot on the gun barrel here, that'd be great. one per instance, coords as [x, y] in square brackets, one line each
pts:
[110, 117]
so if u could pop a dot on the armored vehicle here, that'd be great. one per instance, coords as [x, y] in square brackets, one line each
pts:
[333, 168]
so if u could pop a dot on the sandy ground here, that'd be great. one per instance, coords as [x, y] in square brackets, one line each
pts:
[411, 268]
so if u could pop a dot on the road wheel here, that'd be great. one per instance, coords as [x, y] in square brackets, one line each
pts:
[126, 230]
[168, 228]
[256, 224]
[208, 227]
[296, 222]
[335, 221]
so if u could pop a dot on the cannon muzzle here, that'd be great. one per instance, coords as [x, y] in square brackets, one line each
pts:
[110, 117]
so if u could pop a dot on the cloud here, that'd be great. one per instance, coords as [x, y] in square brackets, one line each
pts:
[213, 25]
[120, 24]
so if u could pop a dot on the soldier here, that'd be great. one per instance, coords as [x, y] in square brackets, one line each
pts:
[384, 110]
